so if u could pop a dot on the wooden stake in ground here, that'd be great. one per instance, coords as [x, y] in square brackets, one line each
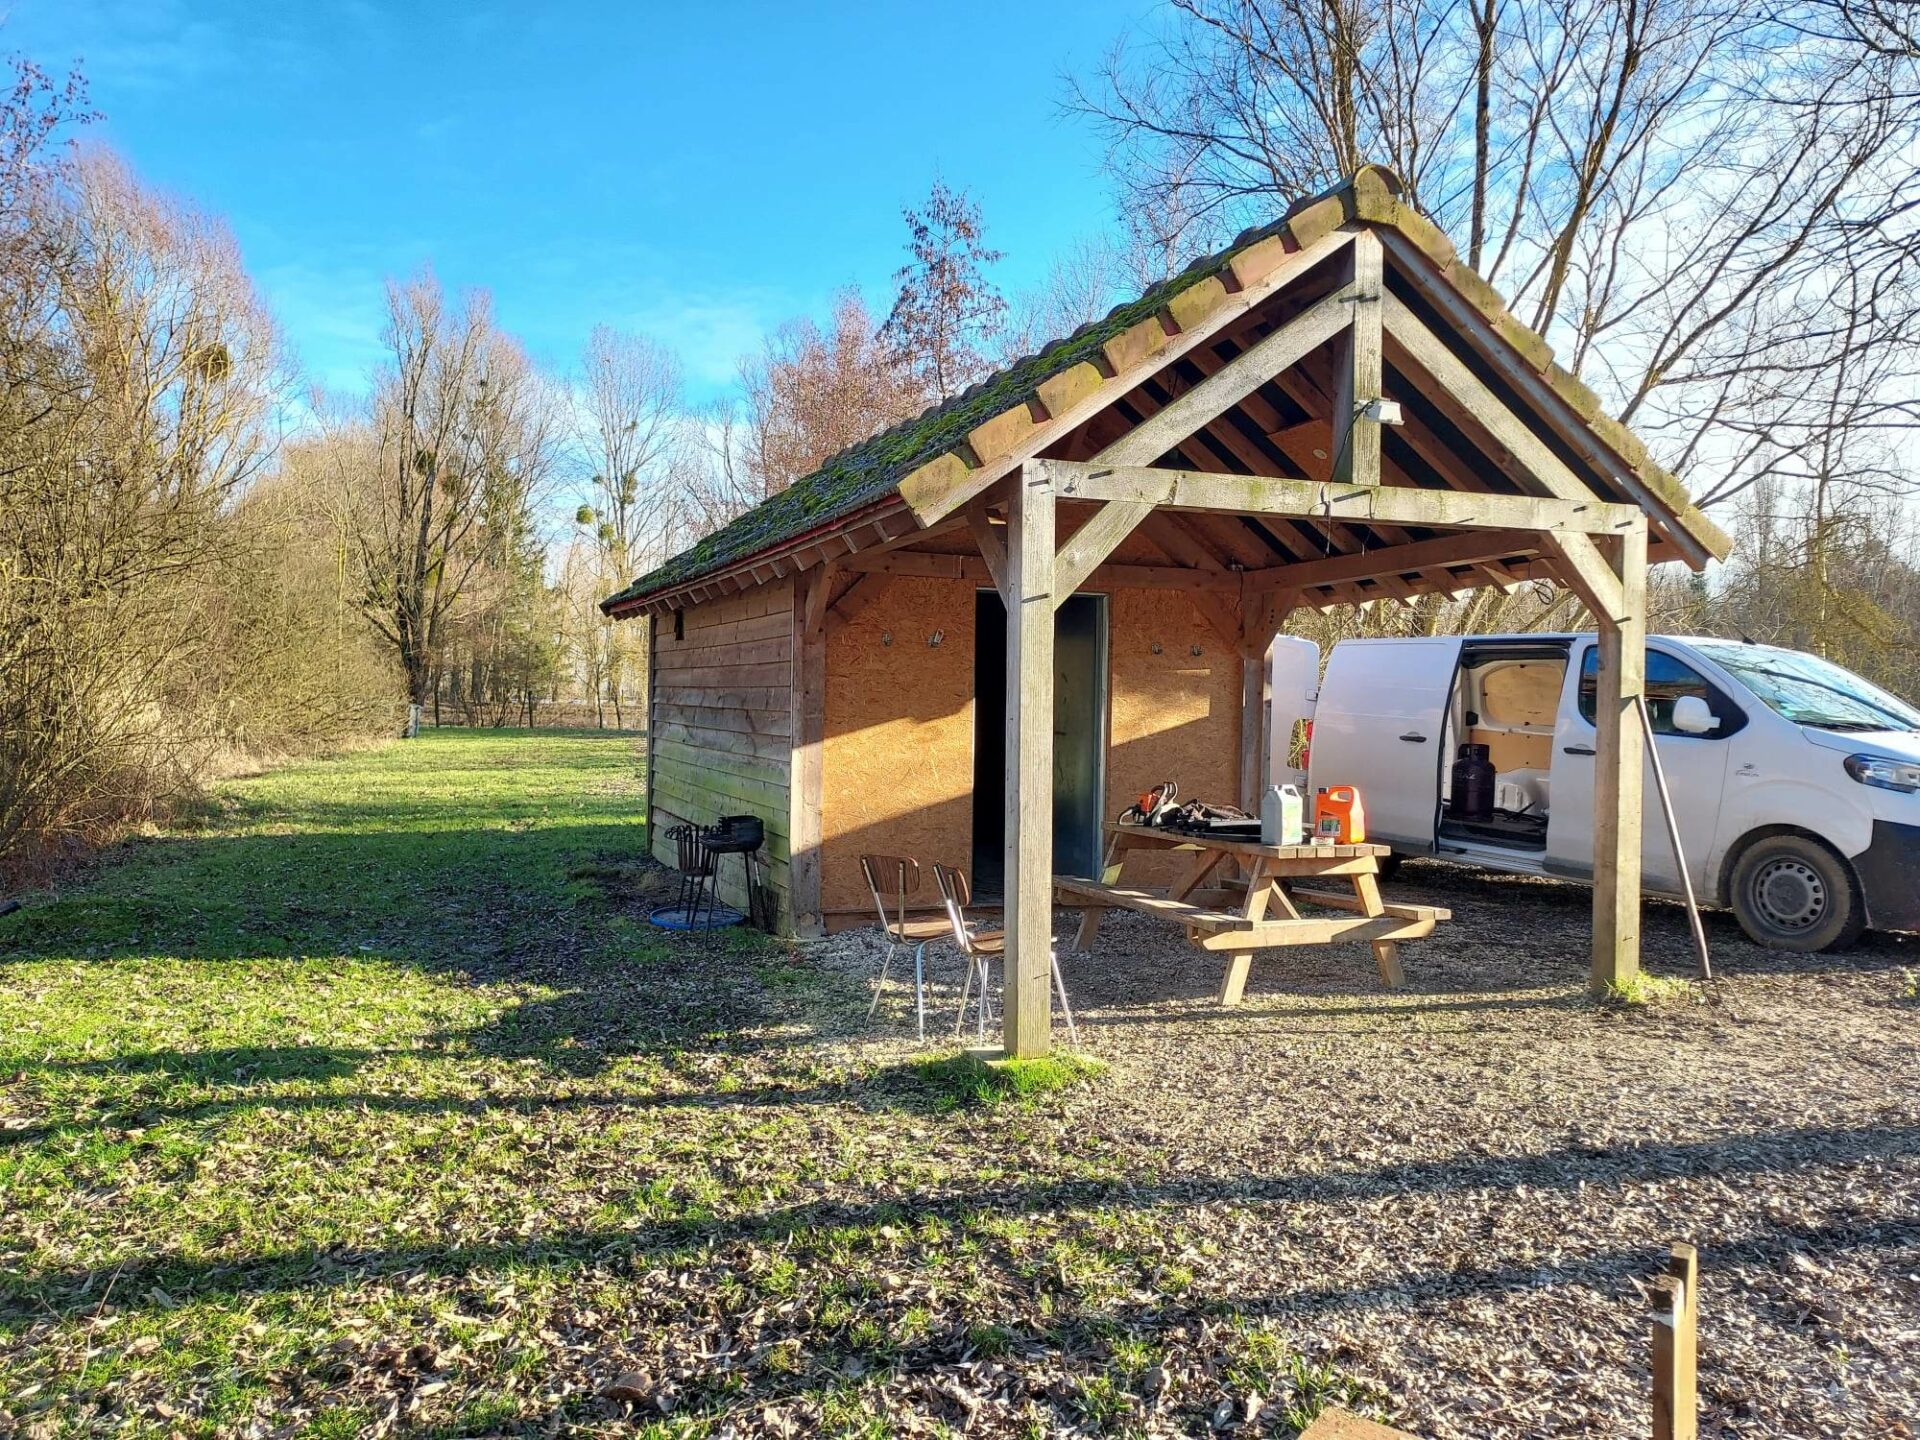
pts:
[1673, 838]
[1676, 1402]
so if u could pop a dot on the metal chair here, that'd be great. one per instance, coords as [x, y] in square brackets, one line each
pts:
[896, 877]
[696, 866]
[980, 947]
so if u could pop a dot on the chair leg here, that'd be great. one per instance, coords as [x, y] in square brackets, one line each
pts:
[880, 984]
[966, 988]
[920, 988]
[1060, 985]
[982, 1017]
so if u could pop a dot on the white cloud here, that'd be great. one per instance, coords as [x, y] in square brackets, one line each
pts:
[332, 317]
[708, 333]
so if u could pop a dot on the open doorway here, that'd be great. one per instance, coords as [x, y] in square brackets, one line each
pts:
[1506, 701]
[1079, 737]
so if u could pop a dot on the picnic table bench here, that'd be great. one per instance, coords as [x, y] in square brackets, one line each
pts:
[1223, 917]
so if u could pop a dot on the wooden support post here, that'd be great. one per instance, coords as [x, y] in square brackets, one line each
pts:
[1028, 875]
[1676, 1313]
[1357, 370]
[1620, 752]
[1253, 708]
[1263, 617]
[809, 720]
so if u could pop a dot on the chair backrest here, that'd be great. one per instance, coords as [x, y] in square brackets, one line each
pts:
[957, 894]
[892, 877]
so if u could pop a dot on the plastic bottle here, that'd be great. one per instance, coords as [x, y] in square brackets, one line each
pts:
[1339, 817]
[1293, 816]
[1270, 815]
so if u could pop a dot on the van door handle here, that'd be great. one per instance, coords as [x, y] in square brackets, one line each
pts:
[1576, 750]
[1415, 739]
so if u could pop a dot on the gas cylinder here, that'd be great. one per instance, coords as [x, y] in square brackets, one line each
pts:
[1473, 782]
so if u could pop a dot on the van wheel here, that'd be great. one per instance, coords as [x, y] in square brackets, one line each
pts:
[1790, 893]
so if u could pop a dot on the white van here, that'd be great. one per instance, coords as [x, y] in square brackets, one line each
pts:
[1796, 783]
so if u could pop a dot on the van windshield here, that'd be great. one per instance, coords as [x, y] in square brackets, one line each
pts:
[1810, 691]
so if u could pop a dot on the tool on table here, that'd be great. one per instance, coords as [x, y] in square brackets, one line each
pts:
[1154, 807]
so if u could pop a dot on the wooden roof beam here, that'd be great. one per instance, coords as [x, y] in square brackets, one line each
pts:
[1393, 504]
[1657, 493]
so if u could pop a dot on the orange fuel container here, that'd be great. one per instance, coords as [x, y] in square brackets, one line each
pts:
[1338, 815]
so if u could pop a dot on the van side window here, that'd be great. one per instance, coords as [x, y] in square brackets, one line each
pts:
[1667, 680]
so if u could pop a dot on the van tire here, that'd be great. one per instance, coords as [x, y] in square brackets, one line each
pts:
[1792, 893]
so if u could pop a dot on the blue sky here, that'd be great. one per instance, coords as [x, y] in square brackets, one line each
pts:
[694, 171]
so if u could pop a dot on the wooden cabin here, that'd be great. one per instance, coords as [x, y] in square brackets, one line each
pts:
[978, 635]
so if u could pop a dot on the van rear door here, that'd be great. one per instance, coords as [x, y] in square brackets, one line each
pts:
[1378, 727]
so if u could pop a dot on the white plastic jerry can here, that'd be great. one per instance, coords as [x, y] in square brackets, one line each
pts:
[1282, 816]
[1293, 816]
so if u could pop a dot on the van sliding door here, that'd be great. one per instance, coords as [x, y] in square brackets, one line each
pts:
[1379, 727]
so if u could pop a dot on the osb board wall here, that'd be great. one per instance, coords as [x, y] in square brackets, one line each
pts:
[898, 755]
[1523, 693]
[1175, 713]
[1526, 692]
[721, 723]
[897, 758]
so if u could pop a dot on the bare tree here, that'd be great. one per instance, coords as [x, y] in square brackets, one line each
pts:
[810, 393]
[1083, 284]
[142, 379]
[947, 314]
[1674, 192]
[630, 430]
[463, 441]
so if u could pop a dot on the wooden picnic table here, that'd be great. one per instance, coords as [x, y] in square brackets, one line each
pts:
[1222, 917]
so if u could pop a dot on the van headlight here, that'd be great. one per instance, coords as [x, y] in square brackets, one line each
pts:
[1885, 774]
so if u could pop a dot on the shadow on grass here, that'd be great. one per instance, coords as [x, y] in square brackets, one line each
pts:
[33, 1294]
[930, 1085]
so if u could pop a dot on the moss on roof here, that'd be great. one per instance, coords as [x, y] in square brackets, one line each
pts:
[872, 470]
[869, 471]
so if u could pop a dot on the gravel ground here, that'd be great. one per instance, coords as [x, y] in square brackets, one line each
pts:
[1457, 1191]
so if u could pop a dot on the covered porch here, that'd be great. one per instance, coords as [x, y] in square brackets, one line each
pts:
[1260, 472]
[1335, 411]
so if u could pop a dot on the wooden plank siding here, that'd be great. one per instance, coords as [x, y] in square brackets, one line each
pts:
[721, 725]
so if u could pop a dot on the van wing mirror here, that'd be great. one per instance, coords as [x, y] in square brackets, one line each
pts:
[1693, 716]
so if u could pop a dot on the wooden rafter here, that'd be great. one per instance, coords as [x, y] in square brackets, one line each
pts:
[1569, 421]
[934, 495]
[1356, 434]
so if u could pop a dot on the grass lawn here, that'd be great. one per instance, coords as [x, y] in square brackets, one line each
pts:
[369, 1104]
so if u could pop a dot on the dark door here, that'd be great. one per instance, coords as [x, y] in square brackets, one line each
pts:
[1079, 737]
